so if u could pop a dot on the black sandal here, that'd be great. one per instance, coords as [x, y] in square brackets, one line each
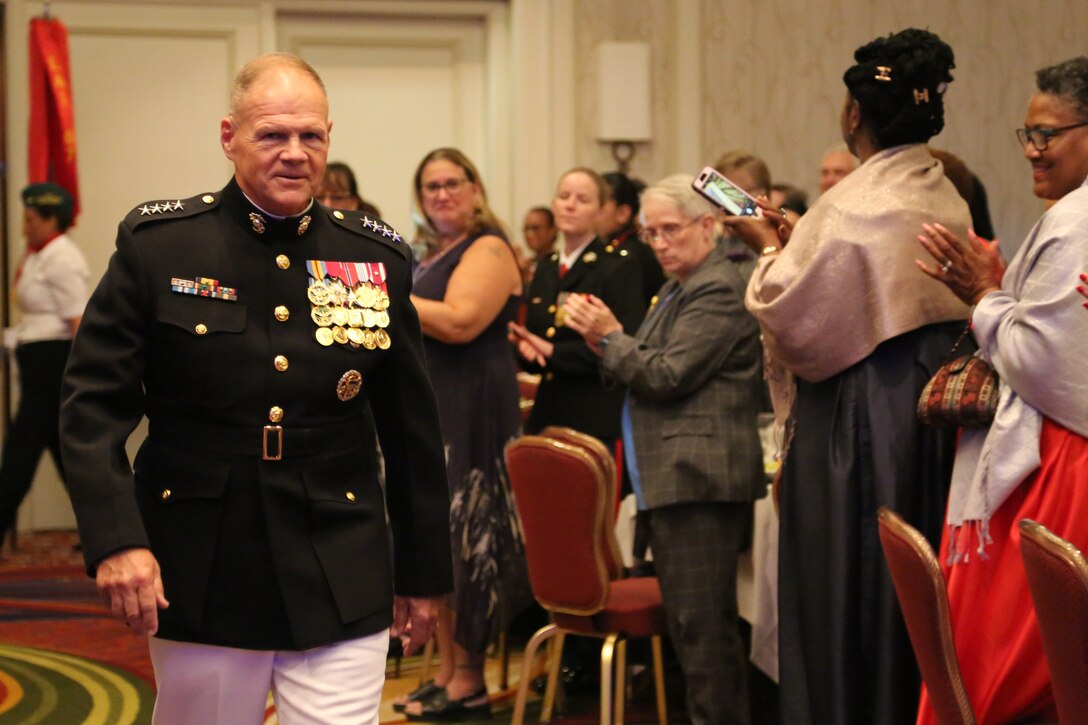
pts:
[424, 692]
[439, 708]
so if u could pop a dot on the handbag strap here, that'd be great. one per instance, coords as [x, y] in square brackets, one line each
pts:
[956, 344]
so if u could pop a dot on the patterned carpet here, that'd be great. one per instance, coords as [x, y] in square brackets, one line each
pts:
[63, 661]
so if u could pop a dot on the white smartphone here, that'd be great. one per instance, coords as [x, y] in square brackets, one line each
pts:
[724, 194]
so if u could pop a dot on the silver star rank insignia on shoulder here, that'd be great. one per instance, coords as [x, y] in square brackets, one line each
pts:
[160, 207]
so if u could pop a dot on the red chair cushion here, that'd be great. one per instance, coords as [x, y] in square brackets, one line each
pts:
[634, 609]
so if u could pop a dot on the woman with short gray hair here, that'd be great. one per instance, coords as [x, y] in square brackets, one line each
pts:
[689, 436]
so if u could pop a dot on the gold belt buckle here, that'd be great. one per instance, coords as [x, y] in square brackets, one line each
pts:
[277, 435]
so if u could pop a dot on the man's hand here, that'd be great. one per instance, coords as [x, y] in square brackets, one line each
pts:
[414, 619]
[130, 585]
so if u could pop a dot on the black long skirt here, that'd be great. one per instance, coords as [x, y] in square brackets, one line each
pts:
[844, 652]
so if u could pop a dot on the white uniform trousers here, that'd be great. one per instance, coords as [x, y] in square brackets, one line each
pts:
[201, 684]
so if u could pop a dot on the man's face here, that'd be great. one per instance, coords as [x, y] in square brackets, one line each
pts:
[278, 139]
[834, 168]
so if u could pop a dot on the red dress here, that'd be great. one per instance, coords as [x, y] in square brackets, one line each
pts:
[997, 640]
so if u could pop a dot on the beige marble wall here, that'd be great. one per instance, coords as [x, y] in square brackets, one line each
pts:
[770, 80]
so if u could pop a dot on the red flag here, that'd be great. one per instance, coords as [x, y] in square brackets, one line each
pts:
[51, 143]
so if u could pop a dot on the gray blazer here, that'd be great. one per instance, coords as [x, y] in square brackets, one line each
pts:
[693, 377]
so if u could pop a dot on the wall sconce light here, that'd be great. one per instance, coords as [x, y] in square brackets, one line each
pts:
[623, 98]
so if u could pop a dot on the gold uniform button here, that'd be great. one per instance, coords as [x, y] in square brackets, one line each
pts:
[207, 198]
[550, 333]
[549, 376]
[282, 313]
[338, 214]
[551, 309]
[350, 496]
[623, 252]
[201, 329]
[280, 362]
[610, 249]
[275, 414]
[283, 261]
[166, 494]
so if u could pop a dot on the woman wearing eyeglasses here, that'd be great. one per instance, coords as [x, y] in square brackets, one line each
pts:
[692, 380]
[1032, 462]
[844, 309]
[466, 291]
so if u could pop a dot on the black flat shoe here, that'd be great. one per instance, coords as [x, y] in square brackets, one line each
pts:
[424, 692]
[440, 708]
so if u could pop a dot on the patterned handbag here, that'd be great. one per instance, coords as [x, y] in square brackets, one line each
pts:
[962, 393]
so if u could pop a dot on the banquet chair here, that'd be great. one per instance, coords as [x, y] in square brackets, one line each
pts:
[923, 597]
[613, 557]
[596, 449]
[562, 495]
[1057, 575]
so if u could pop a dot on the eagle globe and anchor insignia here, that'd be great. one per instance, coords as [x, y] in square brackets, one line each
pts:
[349, 386]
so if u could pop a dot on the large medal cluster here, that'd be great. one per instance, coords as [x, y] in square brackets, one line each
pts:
[350, 315]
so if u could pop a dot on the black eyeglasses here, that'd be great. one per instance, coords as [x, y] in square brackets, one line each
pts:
[1040, 137]
[451, 186]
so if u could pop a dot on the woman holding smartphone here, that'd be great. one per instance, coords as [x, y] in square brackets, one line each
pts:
[846, 311]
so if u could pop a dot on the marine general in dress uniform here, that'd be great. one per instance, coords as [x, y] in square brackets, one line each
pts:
[263, 335]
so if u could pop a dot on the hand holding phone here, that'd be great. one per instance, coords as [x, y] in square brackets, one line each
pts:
[724, 194]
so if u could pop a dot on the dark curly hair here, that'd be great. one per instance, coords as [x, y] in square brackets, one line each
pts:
[899, 82]
[1069, 80]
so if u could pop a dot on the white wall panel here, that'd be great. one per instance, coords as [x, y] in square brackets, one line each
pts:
[397, 89]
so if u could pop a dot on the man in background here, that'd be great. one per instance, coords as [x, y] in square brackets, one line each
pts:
[837, 163]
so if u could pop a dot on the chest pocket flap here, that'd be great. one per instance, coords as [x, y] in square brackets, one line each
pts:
[200, 315]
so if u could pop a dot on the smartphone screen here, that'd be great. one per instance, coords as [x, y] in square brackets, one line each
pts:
[725, 194]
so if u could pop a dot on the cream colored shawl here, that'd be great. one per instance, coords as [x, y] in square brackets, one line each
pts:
[846, 281]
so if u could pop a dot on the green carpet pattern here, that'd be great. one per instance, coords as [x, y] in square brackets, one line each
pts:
[40, 686]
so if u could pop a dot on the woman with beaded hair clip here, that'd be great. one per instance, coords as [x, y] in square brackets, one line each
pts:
[848, 316]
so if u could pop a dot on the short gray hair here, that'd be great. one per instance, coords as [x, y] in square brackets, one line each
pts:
[1069, 80]
[257, 67]
[676, 190]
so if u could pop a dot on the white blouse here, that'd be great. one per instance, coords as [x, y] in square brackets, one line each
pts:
[51, 290]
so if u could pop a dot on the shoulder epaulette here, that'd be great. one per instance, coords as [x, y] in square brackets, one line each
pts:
[171, 209]
[371, 228]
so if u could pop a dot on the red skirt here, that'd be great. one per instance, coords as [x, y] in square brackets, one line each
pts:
[997, 640]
